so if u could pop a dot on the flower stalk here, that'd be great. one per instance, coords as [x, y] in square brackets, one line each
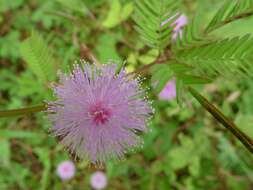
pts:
[221, 118]
[23, 111]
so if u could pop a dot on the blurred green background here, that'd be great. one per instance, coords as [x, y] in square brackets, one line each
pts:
[186, 150]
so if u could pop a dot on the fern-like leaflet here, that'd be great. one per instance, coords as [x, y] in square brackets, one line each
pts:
[230, 11]
[191, 36]
[150, 16]
[39, 59]
[217, 57]
[228, 57]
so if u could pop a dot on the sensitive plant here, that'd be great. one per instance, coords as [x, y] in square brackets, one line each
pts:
[98, 112]
[195, 57]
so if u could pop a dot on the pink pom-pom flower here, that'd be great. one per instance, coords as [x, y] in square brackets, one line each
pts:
[98, 180]
[66, 170]
[98, 112]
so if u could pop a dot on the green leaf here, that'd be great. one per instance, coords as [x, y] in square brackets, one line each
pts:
[191, 79]
[150, 17]
[179, 91]
[40, 14]
[191, 36]
[5, 153]
[149, 57]
[114, 169]
[75, 5]
[4, 133]
[194, 168]
[179, 67]
[10, 5]
[106, 48]
[38, 57]
[244, 121]
[181, 156]
[10, 51]
[117, 14]
[189, 152]
[19, 173]
[127, 11]
[161, 74]
[229, 58]
[231, 10]
[44, 157]
[163, 81]
[229, 157]
[112, 18]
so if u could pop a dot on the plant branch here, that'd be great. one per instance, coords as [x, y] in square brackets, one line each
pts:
[234, 18]
[226, 122]
[22, 111]
[144, 69]
[86, 53]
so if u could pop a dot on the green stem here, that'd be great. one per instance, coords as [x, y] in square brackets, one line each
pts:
[226, 122]
[16, 112]
[229, 20]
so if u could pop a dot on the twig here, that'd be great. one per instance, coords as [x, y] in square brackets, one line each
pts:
[144, 69]
[86, 53]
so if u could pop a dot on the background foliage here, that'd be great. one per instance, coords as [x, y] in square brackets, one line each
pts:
[186, 148]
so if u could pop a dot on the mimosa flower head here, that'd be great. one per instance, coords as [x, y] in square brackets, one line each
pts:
[98, 112]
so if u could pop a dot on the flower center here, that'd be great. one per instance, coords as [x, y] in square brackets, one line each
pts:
[99, 114]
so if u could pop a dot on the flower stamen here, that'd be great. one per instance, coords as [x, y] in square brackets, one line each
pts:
[100, 114]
